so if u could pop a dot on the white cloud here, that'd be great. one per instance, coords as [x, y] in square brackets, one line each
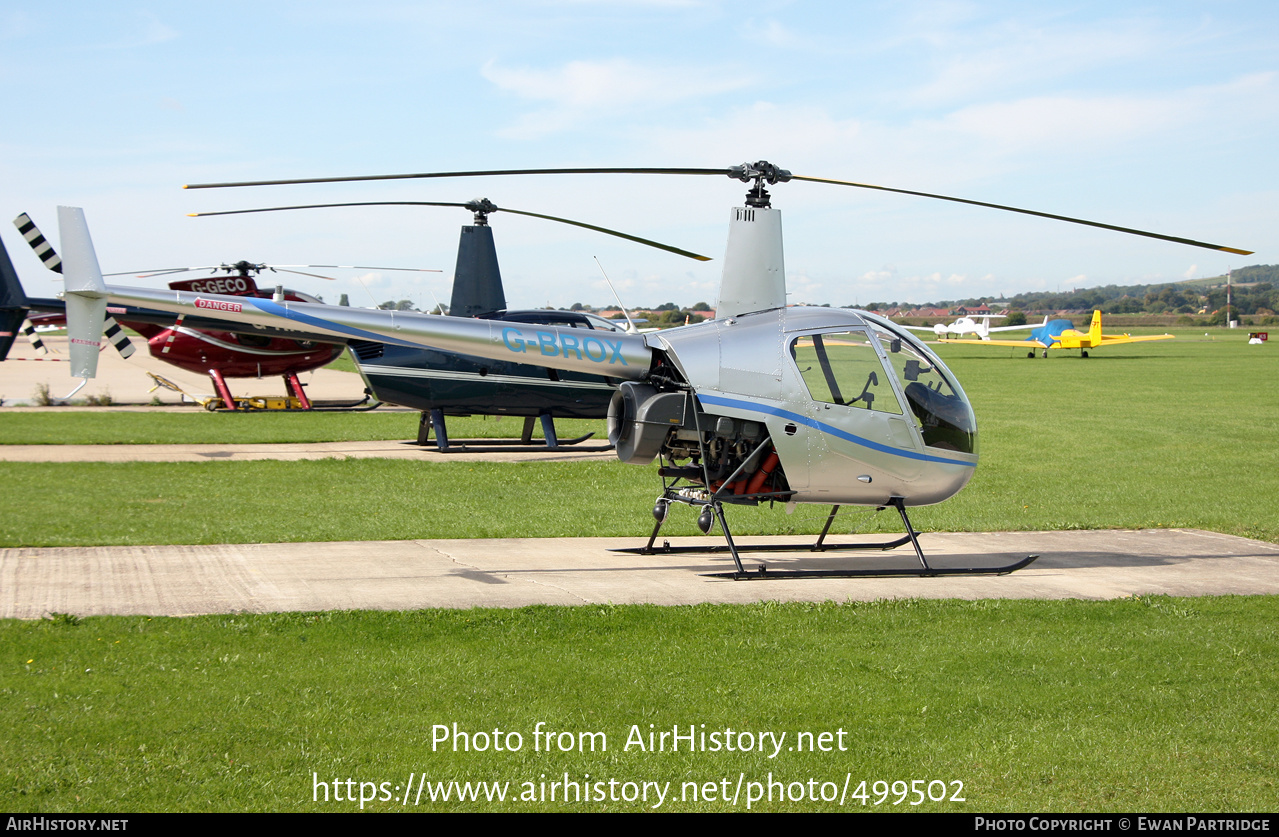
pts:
[1057, 122]
[581, 90]
[1014, 53]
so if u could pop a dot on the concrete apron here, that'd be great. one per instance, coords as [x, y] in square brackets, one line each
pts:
[399, 575]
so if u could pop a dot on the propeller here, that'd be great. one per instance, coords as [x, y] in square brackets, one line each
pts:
[760, 172]
[482, 207]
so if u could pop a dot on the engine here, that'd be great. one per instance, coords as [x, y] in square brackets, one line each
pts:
[701, 448]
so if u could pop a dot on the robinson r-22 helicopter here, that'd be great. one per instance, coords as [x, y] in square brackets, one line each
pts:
[763, 404]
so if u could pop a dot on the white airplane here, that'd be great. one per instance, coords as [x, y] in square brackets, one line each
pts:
[978, 324]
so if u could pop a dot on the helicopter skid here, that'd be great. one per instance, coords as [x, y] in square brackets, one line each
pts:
[462, 445]
[925, 570]
[362, 406]
[763, 573]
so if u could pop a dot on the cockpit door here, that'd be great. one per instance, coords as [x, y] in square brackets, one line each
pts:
[857, 420]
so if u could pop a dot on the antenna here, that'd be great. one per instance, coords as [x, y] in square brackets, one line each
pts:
[630, 324]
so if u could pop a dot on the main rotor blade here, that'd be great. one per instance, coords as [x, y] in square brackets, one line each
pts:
[427, 175]
[301, 273]
[1065, 218]
[161, 271]
[745, 172]
[370, 267]
[668, 248]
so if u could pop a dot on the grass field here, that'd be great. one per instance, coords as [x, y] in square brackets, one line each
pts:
[1148, 704]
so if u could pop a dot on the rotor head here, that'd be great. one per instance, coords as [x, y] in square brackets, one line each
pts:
[243, 268]
[761, 171]
[482, 207]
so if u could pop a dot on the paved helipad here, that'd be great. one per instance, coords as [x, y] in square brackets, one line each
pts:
[395, 575]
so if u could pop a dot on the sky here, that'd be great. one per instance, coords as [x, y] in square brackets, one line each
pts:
[1159, 116]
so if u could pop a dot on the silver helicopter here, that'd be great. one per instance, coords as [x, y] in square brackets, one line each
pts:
[763, 404]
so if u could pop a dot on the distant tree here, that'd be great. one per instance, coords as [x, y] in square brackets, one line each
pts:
[701, 306]
[1015, 318]
[344, 301]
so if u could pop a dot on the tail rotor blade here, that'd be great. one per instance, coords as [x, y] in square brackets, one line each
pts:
[53, 261]
[33, 337]
[118, 338]
[38, 242]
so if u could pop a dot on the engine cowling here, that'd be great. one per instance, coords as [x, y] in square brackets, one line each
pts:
[640, 418]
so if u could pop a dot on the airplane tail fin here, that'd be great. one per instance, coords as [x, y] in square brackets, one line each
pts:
[86, 293]
[13, 303]
[1094, 330]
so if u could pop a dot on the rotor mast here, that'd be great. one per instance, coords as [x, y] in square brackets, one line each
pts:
[477, 279]
[754, 277]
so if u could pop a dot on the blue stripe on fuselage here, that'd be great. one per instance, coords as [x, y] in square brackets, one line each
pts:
[827, 429]
[267, 306]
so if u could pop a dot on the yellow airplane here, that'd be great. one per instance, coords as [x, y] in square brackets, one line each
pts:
[1061, 334]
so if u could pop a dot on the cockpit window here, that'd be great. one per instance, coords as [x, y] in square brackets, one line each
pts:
[601, 324]
[944, 416]
[843, 368]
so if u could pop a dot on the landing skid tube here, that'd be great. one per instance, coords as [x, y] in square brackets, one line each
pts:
[433, 420]
[462, 445]
[762, 572]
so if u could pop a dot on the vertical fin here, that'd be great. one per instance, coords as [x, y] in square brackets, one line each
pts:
[13, 303]
[86, 294]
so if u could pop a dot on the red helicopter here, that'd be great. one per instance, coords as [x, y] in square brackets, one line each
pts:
[223, 354]
[205, 346]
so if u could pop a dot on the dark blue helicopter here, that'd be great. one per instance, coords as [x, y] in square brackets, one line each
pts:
[442, 384]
